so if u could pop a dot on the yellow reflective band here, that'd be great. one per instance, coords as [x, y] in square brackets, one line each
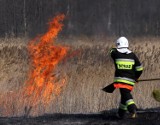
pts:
[111, 50]
[124, 81]
[124, 63]
[139, 68]
[123, 107]
[130, 102]
[124, 66]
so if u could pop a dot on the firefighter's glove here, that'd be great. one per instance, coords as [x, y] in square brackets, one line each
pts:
[111, 50]
[137, 80]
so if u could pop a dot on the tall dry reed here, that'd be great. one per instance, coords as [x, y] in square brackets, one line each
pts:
[88, 68]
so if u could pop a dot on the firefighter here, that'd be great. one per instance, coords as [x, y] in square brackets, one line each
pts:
[127, 71]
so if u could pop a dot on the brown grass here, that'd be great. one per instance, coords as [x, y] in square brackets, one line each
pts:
[88, 69]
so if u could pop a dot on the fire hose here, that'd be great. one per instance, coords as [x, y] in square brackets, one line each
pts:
[156, 93]
[149, 79]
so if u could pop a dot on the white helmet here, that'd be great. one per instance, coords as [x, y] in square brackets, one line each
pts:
[122, 42]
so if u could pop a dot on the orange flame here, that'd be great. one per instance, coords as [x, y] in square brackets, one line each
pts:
[41, 84]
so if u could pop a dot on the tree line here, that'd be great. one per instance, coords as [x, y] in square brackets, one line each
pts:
[83, 17]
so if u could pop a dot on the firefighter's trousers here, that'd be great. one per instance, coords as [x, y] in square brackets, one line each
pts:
[127, 103]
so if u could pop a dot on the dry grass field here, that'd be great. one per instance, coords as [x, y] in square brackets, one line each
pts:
[87, 68]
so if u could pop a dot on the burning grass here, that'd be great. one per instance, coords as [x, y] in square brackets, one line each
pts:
[45, 56]
[87, 68]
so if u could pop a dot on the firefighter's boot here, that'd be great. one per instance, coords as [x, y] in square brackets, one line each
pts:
[133, 111]
[121, 113]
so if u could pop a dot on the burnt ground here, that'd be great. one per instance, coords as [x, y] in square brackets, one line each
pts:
[145, 117]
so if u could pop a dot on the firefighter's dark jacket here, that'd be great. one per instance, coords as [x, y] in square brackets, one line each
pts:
[127, 67]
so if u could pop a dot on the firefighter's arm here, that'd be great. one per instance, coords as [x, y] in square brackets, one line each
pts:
[111, 51]
[138, 68]
[138, 74]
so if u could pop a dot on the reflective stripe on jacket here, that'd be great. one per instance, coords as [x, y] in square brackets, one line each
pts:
[127, 68]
